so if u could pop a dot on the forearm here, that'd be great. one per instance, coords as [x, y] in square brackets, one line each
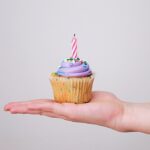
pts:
[136, 117]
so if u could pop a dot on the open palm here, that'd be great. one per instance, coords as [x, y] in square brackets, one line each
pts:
[104, 109]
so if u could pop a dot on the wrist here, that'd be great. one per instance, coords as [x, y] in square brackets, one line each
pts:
[127, 118]
[135, 117]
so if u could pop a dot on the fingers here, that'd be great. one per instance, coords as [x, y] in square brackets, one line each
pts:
[42, 107]
[65, 110]
[22, 110]
[11, 105]
[50, 108]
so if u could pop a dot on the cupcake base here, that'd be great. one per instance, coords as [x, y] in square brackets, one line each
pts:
[71, 89]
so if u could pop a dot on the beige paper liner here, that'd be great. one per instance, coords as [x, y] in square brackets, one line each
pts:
[72, 89]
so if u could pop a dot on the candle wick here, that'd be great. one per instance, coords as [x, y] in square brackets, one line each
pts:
[74, 35]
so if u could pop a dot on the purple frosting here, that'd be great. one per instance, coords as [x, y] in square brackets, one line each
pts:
[74, 68]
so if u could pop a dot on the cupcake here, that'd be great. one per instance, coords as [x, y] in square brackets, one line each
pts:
[72, 82]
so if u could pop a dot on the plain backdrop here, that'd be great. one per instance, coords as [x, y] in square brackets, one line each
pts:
[35, 35]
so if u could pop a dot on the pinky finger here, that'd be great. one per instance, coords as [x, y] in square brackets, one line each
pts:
[52, 115]
[14, 111]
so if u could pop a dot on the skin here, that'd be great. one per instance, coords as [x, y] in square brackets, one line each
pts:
[105, 109]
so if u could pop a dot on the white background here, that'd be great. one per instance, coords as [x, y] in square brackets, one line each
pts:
[35, 35]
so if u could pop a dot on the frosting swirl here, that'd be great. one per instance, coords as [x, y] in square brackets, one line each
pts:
[74, 67]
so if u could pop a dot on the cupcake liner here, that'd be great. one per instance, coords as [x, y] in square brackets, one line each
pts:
[72, 89]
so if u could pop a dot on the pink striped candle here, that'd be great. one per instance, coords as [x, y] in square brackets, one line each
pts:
[74, 47]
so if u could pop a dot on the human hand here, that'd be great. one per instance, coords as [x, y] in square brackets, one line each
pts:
[104, 109]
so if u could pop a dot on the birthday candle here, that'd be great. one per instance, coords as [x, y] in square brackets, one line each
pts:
[74, 47]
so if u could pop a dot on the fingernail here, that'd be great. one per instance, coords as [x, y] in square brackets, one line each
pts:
[6, 108]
